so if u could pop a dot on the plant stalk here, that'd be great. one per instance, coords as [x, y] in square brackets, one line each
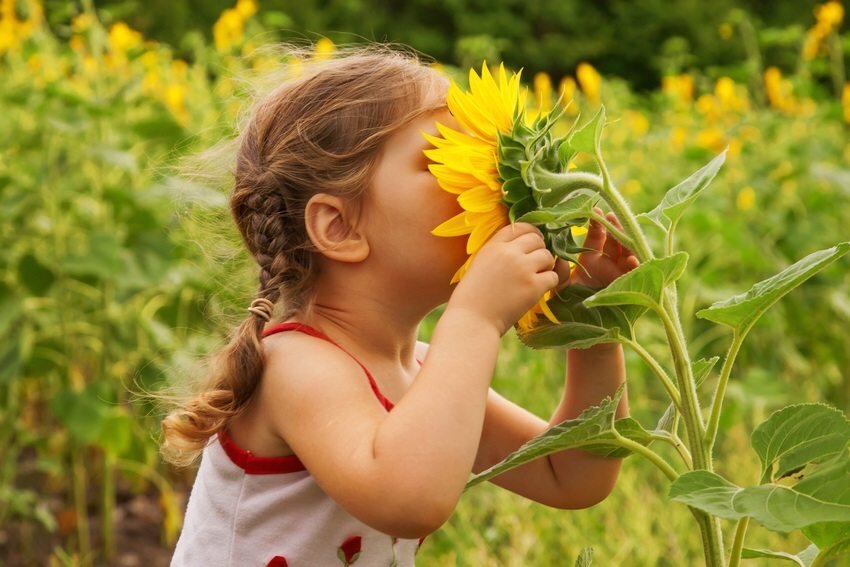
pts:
[738, 542]
[709, 526]
[720, 391]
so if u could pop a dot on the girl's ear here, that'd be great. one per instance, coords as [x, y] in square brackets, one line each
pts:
[326, 220]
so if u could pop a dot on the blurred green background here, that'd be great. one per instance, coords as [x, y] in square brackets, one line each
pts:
[118, 275]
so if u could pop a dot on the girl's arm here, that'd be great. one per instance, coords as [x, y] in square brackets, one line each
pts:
[400, 472]
[570, 479]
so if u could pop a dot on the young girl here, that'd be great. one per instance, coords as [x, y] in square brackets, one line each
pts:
[348, 440]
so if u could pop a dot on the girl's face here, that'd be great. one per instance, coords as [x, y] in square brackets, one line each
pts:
[404, 205]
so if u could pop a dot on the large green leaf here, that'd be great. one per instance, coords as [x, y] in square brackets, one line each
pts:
[742, 310]
[581, 326]
[798, 435]
[677, 199]
[823, 496]
[627, 427]
[643, 285]
[803, 559]
[585, 558]
[587, 137]
[588, 428]
[833, 538]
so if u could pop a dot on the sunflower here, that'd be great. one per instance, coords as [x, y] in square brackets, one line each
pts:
[467, 164]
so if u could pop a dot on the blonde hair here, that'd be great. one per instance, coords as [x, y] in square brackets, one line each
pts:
[320, 131]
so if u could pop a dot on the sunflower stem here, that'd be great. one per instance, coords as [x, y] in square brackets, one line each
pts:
[616, 232]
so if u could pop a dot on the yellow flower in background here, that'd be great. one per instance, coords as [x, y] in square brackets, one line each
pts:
[227, 30]
[730, 95]
[590, 82]
[81, 22]
[324, 48]
[679, 87]
[123, 38]
[830, 14]
[746, 198]
[466, 164]
[779, 91]
[567, 90]
[543, 91]
[14, 31]
[828, 18]
[246, 8]
[725, 30]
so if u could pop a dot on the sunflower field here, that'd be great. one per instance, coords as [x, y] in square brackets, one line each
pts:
[117, 274]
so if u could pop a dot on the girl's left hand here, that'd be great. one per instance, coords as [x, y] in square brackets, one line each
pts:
[607, 262]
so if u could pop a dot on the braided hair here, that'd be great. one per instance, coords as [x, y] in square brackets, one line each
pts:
[321, 131]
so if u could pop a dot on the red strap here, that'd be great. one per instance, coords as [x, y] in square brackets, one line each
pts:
[295, 326]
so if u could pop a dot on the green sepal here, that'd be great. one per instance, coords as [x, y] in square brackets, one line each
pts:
[521, 208]
[515, 190]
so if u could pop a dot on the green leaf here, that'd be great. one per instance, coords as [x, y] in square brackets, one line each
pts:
[642, 285]
[585, 558]
[627, 427]
[833, 538]
[798, 435]
[102, 258]
[742, 310]
[576, 209]
[589, 427]
[700, 369]
[565, 154]
[521, 208]
[581, 326]
[587, 138]
[677, 199]
[822, 496]
[36, 277]
[515, 190]
[803, 559]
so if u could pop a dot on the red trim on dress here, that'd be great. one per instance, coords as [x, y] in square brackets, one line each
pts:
[253, 464]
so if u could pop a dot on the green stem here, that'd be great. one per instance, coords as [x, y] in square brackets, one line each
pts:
[646, 452]
[621, 208]
[81, 506]
[836, 60]
[677, 444]
[738, 542]
[659, 371]
[108, 504]
[615, 232]
[690, 404]
[720, 390]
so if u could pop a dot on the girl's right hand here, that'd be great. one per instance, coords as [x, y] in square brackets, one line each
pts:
[509, 274]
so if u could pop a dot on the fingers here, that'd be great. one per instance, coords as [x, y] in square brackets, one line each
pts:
[613, 249]
[596, 233]
[512, 231]
[530, 241]
[543, 259]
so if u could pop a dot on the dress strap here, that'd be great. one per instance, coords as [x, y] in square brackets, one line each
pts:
[304, 328]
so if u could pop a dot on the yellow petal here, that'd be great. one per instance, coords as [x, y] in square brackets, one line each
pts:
[455, 226]
[480, 199]
[484, 228]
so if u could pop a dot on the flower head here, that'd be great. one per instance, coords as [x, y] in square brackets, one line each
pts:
[481, 165]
